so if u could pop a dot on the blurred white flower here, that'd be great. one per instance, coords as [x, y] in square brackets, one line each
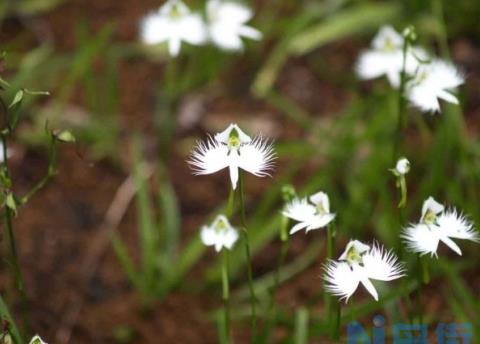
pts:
[438, 224]
[359, 264]
[433, 81]
[402, 167]
[219, 234]
[234, 149]
[226, 24]
[37, 340]
[173, 22]
[312, 213]
[2, 156]
[386, 57]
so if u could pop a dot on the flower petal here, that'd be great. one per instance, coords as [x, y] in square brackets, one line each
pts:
[361, 274]
[422, 239]
[299, 210]
[257, 157]
[340, 280]
[381, 264]
[456, 225]
[209, 157]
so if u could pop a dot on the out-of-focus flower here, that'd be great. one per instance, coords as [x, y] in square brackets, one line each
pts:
[173, 22]
[402, 167]
[37, 340]
[433, 81]
[234, 149]
[219, 234]
[386, 57]
[312, 213]
[227, 24]
[359, 264]
[438, 224]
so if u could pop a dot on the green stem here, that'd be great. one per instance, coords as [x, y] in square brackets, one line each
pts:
[425, 271]
[19, 282]
[338, 322]
[226, 295]
[330, 245]
[281, 261]
[52, 161]
[244, 231]
[401, 105]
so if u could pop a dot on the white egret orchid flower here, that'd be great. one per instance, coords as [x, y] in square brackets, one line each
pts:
[438, 225]
[433, 81]
[386, 57]
[234, 149]
[311, 213]
[219, 234]
[173, 22]
[37, 340]
[361, 263]
[227, 24]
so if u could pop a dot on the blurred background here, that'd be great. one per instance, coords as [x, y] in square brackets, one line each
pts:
[93, 276]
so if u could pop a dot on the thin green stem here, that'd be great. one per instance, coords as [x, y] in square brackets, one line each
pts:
[19, 282]
[330, 244]
[226, 295]
[52, 161]
[401, 105]
[338, 321]
[253, 299]
[425, 271]
[271, 318]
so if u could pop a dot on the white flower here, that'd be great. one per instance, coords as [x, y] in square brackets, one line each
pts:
[386, 57]
[226, 25]
[310, 215]
[2, 156]
[234, 149]
[359, 264]
[174, 23]
[37, 340]
[219, 234]
[438, 224]
[433, 81]
[402, 167]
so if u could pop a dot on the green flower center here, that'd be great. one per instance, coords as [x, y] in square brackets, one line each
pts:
[220, 226]
[430, 218]
[175, 12]
[388, 45]
[234, 140]
[353, 256]
[320, 209]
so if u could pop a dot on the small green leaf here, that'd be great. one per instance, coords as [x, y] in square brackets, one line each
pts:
[17, 99]
[65, 136]
[10, 202]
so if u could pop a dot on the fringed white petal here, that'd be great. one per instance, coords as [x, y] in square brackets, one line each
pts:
[456, 225]
[340, 279]
[422, 239]
[382, 265]
[209, 157]
[257, 157]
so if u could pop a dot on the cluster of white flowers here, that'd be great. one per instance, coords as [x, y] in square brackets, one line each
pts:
[359, 263]
[225, 25]
[428, 78]
[437, 224]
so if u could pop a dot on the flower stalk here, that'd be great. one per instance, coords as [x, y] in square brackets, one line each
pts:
[226, 294]
[244, 231]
